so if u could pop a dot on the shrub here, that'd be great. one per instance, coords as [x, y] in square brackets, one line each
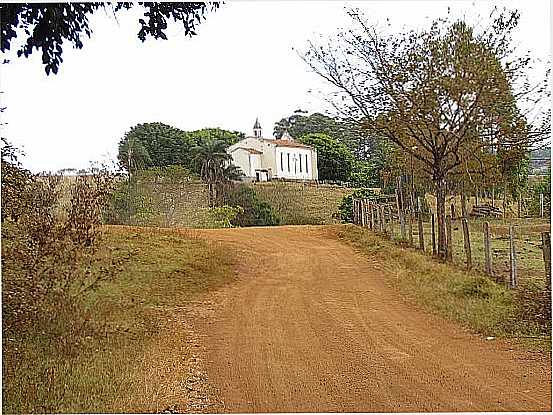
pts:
[345, 210]
[128, 205]
[47, 257]
[364, 174]
[533, 305]
[256, 212]
[480, 287]
[222, 217]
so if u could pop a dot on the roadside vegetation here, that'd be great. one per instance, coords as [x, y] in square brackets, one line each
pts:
[123, 347]
[89, 318]
[470, 298]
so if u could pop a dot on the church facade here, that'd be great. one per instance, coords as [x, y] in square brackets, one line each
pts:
[265, 159]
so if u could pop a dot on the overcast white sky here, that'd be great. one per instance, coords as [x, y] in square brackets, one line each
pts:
[241, 65]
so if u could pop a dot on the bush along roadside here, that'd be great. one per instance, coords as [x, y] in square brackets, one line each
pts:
[255, 212]
[345, 210]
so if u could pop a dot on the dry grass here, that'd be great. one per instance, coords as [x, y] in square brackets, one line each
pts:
[298, 203]
[528, 245]
[470, 298]
[134, 355]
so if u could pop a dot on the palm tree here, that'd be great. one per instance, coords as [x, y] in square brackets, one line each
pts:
[212, 161]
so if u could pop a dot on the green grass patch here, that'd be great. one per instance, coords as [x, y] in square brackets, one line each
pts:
[106, 364]
[469, 298]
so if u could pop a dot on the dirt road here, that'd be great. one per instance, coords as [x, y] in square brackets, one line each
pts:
[313, 326]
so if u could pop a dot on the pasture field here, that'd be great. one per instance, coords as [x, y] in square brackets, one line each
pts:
[528, 245]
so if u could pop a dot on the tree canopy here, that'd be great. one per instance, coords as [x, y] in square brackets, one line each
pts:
[45, 26]
[452, 98]
[160, 145]
[334, 160]
[155, 145]
[350, 134]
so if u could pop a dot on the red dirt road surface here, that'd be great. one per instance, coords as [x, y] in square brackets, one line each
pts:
[313, 326]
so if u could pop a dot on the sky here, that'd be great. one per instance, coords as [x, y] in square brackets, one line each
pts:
[243, 64]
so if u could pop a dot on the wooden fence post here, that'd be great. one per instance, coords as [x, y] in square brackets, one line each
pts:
[391, 216]
[373, 227]
[541, 205]
[421, 232]
[466, 239]
[546, 247]
[362, 203]
[487, 249]
[402, 225]
[354, 211]
[383, 216]
[410, 229]
[433, 223]
[513, 258]
[464, 205]
[400, 192]
[449, 239]
[397, 200]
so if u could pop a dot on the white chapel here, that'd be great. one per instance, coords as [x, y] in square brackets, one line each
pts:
[265, 159]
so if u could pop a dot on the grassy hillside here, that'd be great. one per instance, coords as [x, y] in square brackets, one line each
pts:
[302, 203]
[133, 352]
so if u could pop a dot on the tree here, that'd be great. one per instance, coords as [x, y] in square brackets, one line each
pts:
[45, 26]
[211, 160]
[448, 96]
[228, 137]
[350, 134]
[334, 160]
[155, 145]
[133, 155]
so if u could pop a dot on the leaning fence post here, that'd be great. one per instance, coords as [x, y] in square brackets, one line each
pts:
[546, 247]
[449, 239]
[433, 220]
[487, 249]
[421, 232]
[513, 258]
[466, 239]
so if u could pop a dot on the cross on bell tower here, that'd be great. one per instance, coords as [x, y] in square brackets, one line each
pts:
[257, 129]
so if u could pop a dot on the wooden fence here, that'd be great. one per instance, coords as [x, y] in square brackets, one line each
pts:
[386, 216]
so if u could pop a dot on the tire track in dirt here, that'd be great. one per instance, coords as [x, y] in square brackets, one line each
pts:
[312, 326]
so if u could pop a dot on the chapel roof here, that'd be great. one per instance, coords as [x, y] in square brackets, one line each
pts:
[286, 143]
[249, 150]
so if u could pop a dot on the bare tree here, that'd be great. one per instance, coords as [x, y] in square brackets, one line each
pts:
[448, 97]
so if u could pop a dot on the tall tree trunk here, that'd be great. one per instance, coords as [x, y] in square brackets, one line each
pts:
[440, 215]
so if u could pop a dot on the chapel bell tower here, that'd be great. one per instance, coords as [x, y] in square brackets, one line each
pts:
[257, 129]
